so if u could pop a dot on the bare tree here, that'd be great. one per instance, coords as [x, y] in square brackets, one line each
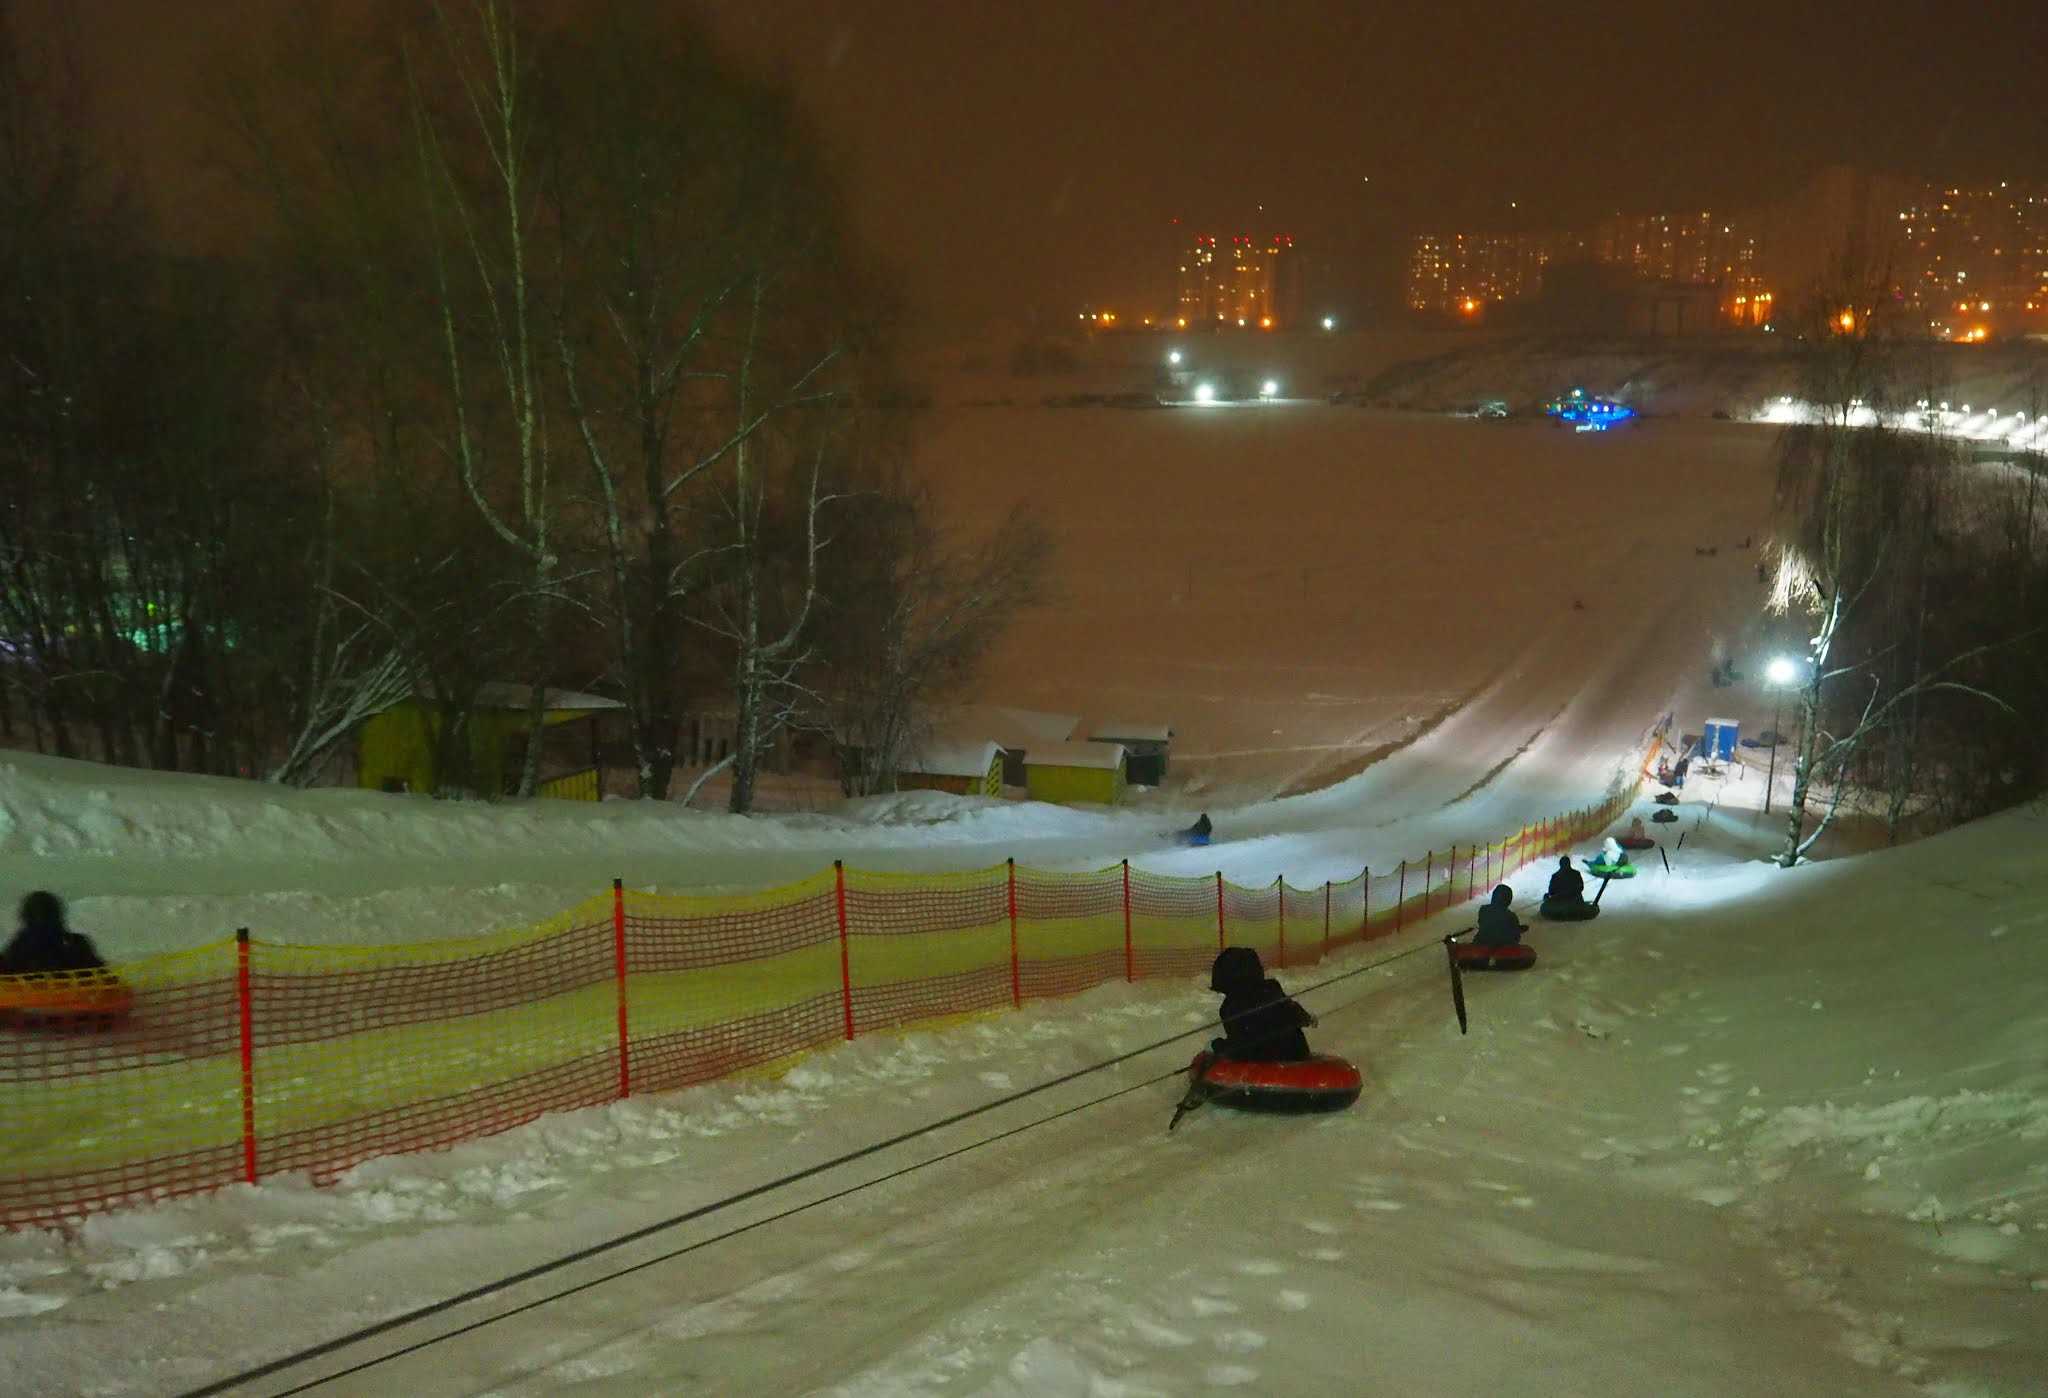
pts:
[1844, 482]
[910, 623]
[480, 213]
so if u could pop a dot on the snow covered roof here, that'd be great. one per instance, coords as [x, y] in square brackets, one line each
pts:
[1013, 728]
[504, 694]
[1101, 756]
[951, 755]
[1125, 730]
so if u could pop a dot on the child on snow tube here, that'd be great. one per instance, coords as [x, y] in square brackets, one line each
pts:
[1565, 899]
[50, 975]
[1260, 1023]
[1498, 925]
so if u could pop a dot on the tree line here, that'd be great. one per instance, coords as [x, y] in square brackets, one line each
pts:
[549, 355]
[1919, 568]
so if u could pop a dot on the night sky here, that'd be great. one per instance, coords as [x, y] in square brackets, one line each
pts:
[1013, 157]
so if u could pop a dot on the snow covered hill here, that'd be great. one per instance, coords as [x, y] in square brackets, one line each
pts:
[1752, 1132]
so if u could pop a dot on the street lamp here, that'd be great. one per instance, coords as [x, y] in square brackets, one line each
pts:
[1779, 673]
[1173, 356]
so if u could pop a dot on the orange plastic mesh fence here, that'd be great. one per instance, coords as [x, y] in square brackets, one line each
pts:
[236, 1061]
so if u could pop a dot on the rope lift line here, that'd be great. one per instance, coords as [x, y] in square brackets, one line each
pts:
[541, 1269]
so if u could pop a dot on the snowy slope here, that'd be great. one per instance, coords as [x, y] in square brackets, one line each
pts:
[1753, 1132]
[1298, 591]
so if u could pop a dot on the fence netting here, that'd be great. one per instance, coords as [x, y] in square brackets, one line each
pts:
[244, 1058]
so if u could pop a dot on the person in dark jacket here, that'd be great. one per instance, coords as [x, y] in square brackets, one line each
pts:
[1199, 832]
[44, 944]
[1259, 1022]
[1567, 885]
[1498, 925]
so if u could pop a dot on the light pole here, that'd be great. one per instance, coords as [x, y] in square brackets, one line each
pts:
[1780, 672]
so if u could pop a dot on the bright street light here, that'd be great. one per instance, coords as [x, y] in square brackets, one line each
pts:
[1173, 356]
[1205, 393]
[1269, 388]
[1329, 322]
[1779, 673]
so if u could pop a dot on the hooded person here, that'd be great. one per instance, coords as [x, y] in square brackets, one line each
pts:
[1260, 1023]
[1567, 885]
[1498, 925]
[44, 944]
[1199, 832]
[1636, 831]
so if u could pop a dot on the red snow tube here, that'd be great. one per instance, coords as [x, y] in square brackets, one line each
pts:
[1635, 842]
[1477, 958]
[67, 1000]
[1321, 1083]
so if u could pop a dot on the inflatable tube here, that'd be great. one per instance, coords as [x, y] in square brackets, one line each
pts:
[1320, 1083]
[1579, 911]
[1665, 817]
[1665, 798]
[95, 1001]
[1601, 869]
[1636, 842]
[1477, 958]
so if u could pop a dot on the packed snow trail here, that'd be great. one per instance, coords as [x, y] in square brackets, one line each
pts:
[1750, 1132]
[1443, 560]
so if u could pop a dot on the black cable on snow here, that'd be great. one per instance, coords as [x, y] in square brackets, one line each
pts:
[541, 1269]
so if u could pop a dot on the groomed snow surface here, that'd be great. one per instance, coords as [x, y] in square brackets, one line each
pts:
[1751, 1132]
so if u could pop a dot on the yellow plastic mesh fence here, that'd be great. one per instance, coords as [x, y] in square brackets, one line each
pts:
[244, 1059]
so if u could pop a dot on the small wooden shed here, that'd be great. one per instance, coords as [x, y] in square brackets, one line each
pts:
[1071, 774]
[396, 749]
[963, 766]
[1145, 746]
[1016, 730]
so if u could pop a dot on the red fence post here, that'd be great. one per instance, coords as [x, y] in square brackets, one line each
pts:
[619, 970]
[845, 959]
[243, 1009]
[1220, 943]
[1016, 968]
[1326, 919]
[1280, 902]
[1130, 962]
[1400, 895]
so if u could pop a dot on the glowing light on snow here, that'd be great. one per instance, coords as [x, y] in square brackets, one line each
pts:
[1270, 388]
[1205, 393]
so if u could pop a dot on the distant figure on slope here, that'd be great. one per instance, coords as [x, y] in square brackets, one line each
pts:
[1567, 885]
[1613, 854]
[44, 944]
[1636, 830]
[1260, 1024]
[1678, 772]
[1199, 832]
[1498, 925]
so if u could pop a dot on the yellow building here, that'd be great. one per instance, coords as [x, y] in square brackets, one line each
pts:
[963, 766]
[1073, 774]
[396, 749]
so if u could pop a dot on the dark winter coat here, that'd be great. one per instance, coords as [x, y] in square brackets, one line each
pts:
[44, 943]
[1201, 828]
[1567, 885]
[1259, 1021]
[1498, 925]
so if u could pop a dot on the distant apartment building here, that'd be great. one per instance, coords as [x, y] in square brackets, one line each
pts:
[1974, 262]
[1461, 274]
[1238, 280]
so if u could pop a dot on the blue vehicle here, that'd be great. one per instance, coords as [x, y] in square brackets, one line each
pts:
[1588, 414]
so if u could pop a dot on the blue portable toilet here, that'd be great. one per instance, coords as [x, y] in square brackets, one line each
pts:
[1718, 743]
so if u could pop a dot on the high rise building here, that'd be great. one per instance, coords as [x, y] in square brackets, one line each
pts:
[1239, 281]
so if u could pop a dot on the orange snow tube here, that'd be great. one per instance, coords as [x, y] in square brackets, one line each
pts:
[64, 1000]
[1477, 958]
[1320, 1083]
